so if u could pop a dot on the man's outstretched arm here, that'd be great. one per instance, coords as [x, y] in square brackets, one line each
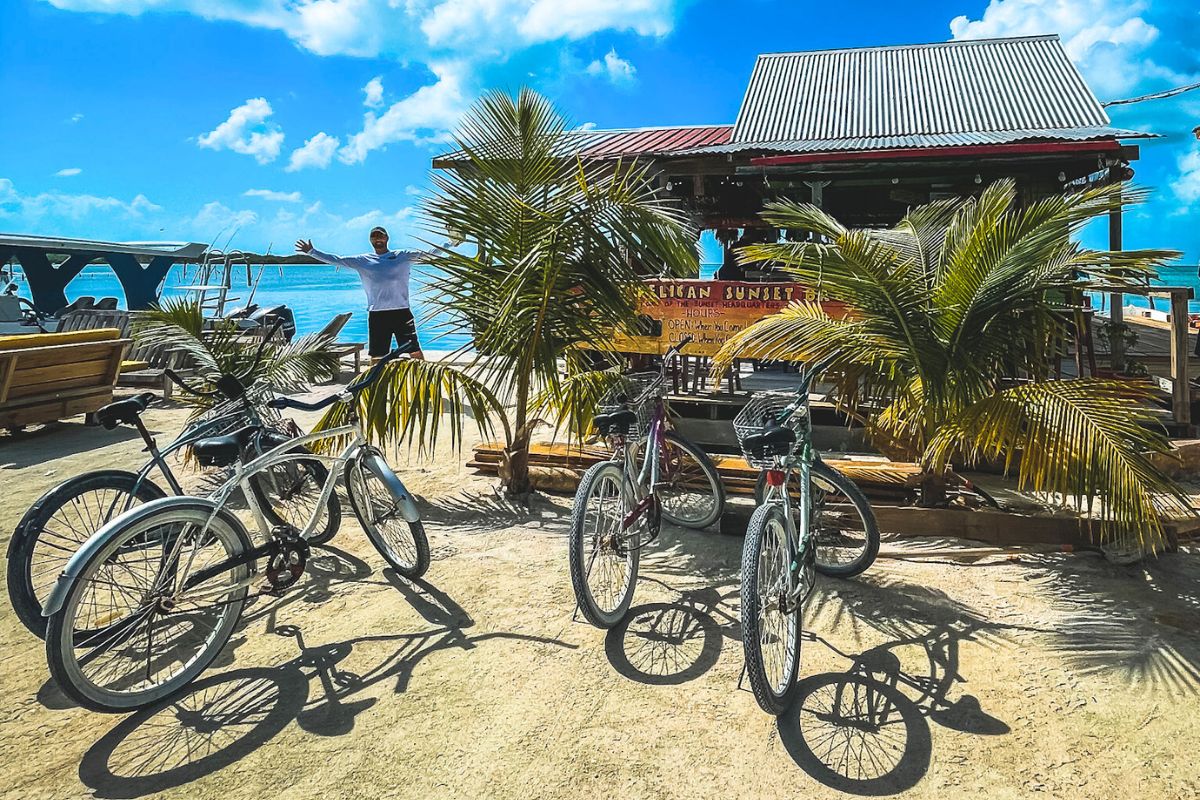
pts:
[306, 247]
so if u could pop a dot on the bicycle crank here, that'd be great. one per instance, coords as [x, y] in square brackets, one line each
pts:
[286, 560]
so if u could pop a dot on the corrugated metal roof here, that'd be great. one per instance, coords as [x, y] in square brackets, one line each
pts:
[630, 142]
[619, 143]
[921, 140]
[654, 141]
[966, 87]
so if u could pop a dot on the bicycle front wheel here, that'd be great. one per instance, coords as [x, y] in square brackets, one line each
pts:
[604, 565]
[128, 633]
[690, 490]
[402, 544]
[56, 526]
[847, 535]
[770, 619]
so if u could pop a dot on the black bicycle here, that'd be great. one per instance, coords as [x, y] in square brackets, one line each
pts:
[63, 518]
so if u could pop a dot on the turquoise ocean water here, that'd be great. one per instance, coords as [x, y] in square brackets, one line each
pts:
[316, 293]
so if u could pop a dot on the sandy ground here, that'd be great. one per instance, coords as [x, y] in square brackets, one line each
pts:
[1056, 676]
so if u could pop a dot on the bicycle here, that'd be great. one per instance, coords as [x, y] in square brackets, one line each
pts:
[151, 599]
[63, 518]
[783, 538]
[619, 504]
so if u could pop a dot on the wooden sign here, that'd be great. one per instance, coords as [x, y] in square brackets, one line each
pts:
[711, 312]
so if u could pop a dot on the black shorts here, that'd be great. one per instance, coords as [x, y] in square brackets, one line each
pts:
[383, 325]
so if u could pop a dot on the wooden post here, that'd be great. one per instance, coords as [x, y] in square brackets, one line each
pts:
[1181, 387]
[1116, 311]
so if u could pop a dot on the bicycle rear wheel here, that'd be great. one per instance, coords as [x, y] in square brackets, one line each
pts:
[127, 634]
[770, 622]
[288, 493]
[603, 569]
[844, 525]
[56, 526]
[690, 490]
[402, 544]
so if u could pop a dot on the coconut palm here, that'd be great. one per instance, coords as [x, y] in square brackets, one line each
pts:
[957, 315]
[221, 348]
[553, 255]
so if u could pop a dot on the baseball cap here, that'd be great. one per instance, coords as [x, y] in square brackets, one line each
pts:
[378, 229]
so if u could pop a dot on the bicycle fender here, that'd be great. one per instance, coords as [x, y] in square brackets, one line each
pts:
[378, 466]
[97, 541]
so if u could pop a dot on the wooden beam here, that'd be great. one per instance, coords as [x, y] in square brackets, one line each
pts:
[1181, 401]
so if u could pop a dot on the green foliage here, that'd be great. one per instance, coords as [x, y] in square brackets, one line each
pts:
[957, 318]
[555, 249]
[213, 350]
[408, 401]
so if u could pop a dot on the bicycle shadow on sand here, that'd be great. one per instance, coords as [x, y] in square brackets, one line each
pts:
[866, 731]
[220, 719]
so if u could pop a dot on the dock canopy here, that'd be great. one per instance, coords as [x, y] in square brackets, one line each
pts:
[50, 263]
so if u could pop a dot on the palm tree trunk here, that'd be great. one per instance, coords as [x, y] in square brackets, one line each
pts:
[516, 480]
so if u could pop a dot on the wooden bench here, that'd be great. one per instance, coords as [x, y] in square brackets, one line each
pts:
[52, 376]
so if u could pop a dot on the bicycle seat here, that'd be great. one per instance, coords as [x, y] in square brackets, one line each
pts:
[221, 451]
[616, 421]
[773, 440]
[123, 411]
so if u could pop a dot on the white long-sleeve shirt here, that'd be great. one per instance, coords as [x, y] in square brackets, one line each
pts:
[384, 276]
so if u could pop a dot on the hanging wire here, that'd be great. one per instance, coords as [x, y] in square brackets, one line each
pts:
[1154, 96]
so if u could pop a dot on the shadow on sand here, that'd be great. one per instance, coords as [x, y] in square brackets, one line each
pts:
[219, 719]
[866, 731]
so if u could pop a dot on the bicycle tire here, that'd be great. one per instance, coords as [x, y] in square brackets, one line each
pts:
[580, 563]
[862, 507]
[24, 593]
[62, 640]
[410, 567]
[711, 475]
[774, 695]
[333, 506]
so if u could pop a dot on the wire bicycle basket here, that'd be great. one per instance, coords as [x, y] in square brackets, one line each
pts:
[635, 391]
[767, 408]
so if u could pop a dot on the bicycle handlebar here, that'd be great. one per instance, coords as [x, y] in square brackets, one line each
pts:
[369, 377]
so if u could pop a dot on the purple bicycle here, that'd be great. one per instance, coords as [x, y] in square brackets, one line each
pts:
[654, 473]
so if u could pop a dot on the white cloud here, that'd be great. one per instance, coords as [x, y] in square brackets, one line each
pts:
[273, 196]
[414, 191]
[417, 30]
[374, 93]
[423, 116]
[249, 131]
[34, 210]
[68, 172]
[215, 219]
[616, 68]
[316, 152]
[1107, 39]
[1187, 185]
[76, 117]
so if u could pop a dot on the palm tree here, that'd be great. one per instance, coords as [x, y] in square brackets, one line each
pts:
[220, 349]
[956, 317]
[553, 251]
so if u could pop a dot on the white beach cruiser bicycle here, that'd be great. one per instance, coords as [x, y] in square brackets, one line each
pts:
[151, 599]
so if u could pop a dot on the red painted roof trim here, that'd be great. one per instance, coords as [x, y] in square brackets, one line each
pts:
[1014, 149]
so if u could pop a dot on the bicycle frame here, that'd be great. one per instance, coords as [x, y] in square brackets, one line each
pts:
[240, 479]
[797, 546]
[648, 472]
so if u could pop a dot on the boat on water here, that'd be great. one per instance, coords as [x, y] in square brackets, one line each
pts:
[46, 265]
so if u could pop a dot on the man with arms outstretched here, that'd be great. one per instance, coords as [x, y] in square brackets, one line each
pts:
[385, 275]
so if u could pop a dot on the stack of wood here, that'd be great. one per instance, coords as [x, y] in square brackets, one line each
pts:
[559, 466]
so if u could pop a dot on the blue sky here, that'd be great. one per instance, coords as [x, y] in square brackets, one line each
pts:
[185, 119]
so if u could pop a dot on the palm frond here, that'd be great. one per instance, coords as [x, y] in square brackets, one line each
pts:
[418, 402]
[1076, 439]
